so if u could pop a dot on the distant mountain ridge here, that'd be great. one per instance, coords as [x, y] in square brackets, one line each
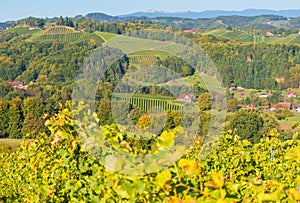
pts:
[214, 13]
[208, 18]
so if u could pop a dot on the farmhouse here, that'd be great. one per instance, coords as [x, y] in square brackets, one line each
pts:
[269, 33]
[292, 94]
[232, 88]
[263, 95]
[281, 106]
[19, 85]
[186, 98]
[32, 28]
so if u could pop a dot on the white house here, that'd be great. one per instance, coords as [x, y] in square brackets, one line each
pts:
[186, 98]
[263, 95]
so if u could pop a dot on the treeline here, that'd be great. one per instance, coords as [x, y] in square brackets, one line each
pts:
[113, 27]
[255, 66]
[44, 62]
[25, 118]
[31, 21]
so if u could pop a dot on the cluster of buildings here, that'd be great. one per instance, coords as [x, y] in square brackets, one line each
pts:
[273, 107]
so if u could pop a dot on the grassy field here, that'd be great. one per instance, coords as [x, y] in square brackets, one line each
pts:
[106, 36]
[130, 45]
[286, 124]
[205, 81]
[295, 118]
[25, 31]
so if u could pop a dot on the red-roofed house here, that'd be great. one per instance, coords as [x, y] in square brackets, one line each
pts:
[16, 84]
[186, 97]
[273, 107]
[269, 33]
[19, 85]
[292, 94]
[32, 28]
[286, 104]
[281, 106]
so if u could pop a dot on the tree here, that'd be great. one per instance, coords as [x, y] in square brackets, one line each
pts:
[33, 110]
[144, 121]
[104, 113]
[4, 88]
[173, 119]
[204, 101]
[232, 105]
[4, 119]
[135, 114]
[15, 119]
[247, 124]
[275, 97]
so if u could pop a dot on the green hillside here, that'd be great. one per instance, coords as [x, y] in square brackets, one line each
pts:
[106, 36]
[65, 35]
[68, 38]
[246, 37]
[24, 31]
[236, 35]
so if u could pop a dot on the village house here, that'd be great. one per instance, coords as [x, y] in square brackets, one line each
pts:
[263, 95]
[32, 28]
[269, 33]
[281, 106]
[19, 85]
[232, 88]
[186, 98]
[292, 94]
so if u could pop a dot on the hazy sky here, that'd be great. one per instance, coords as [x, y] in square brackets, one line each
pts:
[17, 9]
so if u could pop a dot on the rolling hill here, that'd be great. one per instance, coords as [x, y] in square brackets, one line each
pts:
[247, 37]
[64, 34]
